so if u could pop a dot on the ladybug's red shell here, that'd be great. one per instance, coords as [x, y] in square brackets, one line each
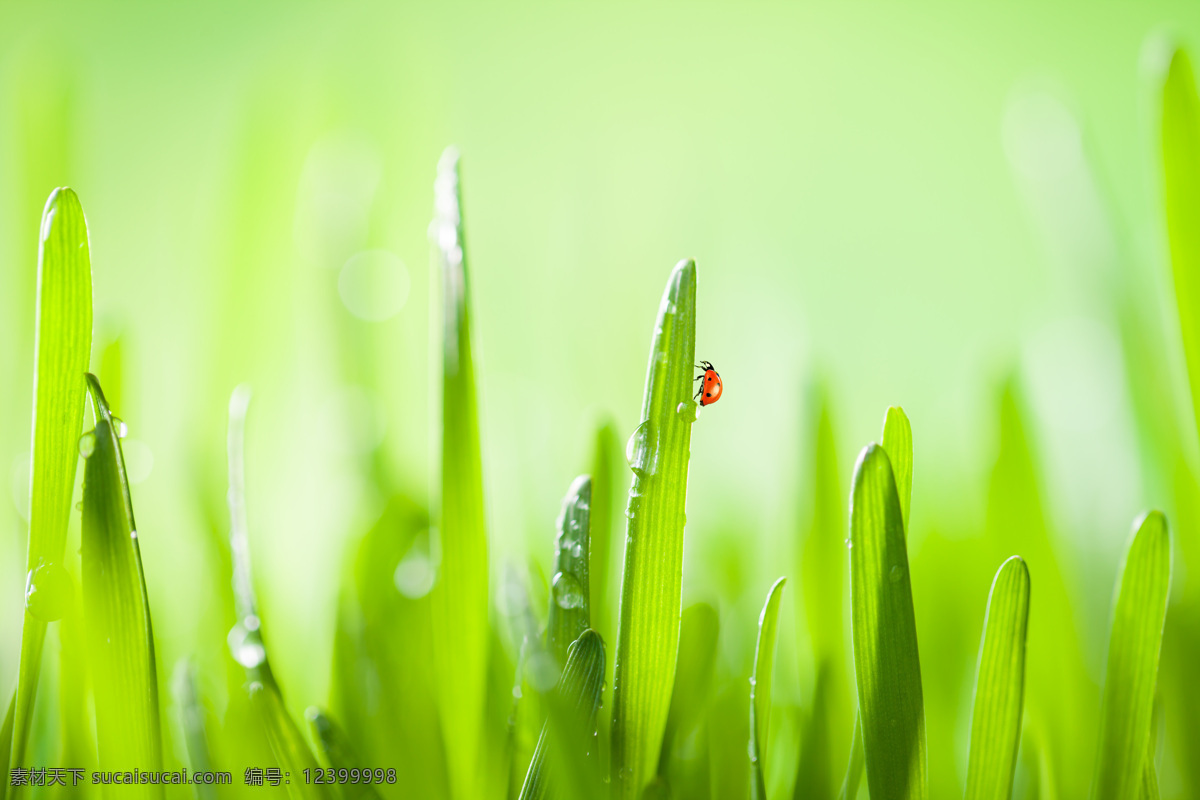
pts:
[710, 389]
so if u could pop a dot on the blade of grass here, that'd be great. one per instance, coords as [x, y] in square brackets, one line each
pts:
[605, 457]
[570, 603]
[460, 601]
[699, 628]
[569, 729]
[1000, 686]
[117, 612]
[898, 444]
[339, 752]
[61, 348]
[854, 769]
[886, 664]
[651, 590]
[6, 736]
[194, 724]
[246, 638]
[760, 689]
[1133, 652]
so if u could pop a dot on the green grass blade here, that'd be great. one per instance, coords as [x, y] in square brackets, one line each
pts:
[854, 769]
[193, 721]
[117, 613]
[648, 633]
[6, 736]
[339, 753]
[570, 726]
[61, 352]
[1133, 652]
[1000, 686]
[699, 629]
[570, 598]
[886, 664]
[1181, 188]
[460, 601]
[898, 444]
[605, 456]
[760, 690]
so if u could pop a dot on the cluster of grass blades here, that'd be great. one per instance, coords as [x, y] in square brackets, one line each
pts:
[431, 670]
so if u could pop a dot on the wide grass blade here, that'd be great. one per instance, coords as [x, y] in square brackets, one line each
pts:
[1133, 652]
[120, 637]
[568, 731]
[658, 452]
[1000, 686]
[339, 753]
[62, 348]
[886, 664]
[760, 689]
[570, 598]
[460, 601]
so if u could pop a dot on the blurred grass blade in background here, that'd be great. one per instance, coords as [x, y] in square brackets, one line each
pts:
[193, 723]
[339, 753]
[1000, 686]
[886, 664]
[898, 444]
[120, 636]
[1133, 652]
[699, 628]
[460, 597]
[605, 456]
[61, 348]
[569, 730]
[651, 587]
[760, 690]
[570, 598]
[854, 769]
[245, 640]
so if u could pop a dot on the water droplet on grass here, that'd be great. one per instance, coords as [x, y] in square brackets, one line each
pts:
[568, 593]
[245, 645]
[120, 427]
[896, 574]
[641, 451]
[416, 574]
[689, 410]
[48, 592]
[87, 444]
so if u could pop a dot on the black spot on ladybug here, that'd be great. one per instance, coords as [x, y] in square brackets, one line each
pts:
[708, 394]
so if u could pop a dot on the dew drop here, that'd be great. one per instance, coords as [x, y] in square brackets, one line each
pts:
[896, 573]
[120, 427]
[849, 544]
[87, 444]
[577, 550]
[641, 451]
[245, 645]
[48, 592]
[568, 593]
[689, 410]
[416, 573]
[79, 506]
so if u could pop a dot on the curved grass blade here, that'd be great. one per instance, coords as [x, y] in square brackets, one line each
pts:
[1000, 686]
[245, 639]
[339, 752]
[854, 769]
[62, 348]
[6, 735]
[568, 732]
[898, 444]
[651, 588]
[760, 689]
[194, 724]
[120, 637]
[570, 598]
[886, 664]
[1133, 652]
[460, 598]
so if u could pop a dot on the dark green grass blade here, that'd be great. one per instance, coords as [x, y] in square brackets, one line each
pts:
[61, 351]
[760, 690]
[652, 582]
[570, 588]
[193, 721]
[898, 444]
[559, 767]
[886, 664]
[1000, 686]
[120, 636]
[339, 753]
[460, 599]
[1133, 652]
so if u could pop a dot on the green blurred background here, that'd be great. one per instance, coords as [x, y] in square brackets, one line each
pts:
[916, 204]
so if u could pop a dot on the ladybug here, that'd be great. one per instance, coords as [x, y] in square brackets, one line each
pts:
[711, 386]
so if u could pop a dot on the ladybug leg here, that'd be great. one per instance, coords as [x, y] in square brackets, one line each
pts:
[696, 396]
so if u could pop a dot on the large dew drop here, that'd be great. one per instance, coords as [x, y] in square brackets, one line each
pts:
[245, 643]
[120, 427]
[641, 451]
[568, 593]
[416, 573]
[87, 444]
[48, 592]
[688, 410]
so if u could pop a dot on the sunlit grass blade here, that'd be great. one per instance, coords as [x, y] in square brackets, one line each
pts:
[61, 351]
[1000, 686]
[605, 457]
[246, 639]
[898, 444]
[6, 735]
[760, 690]
[854, 769]
[886, 664]
[1149, 782]
[340, 754]
[460, 601]
[120, 638]
[559, 767]
[658, 451]
[699, 628]
[570, 598]
[1133, 653]
[193, 722]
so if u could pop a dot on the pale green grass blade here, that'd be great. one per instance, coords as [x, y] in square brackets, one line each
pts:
[246, 638]
[460, 601]
[651, 587]
[854, 769]
[559, 767]
[898, 444]
[886, 665]
[6, 735]
[570, 597]
[699, 629]
[74, 704]
[61, 352]
[1149, 783]
[193, 722]
[1133, 653]
[340, 754]
[1000, 686]
[117, 614]
[605, 457]
[1181, 189]
[760, 690]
